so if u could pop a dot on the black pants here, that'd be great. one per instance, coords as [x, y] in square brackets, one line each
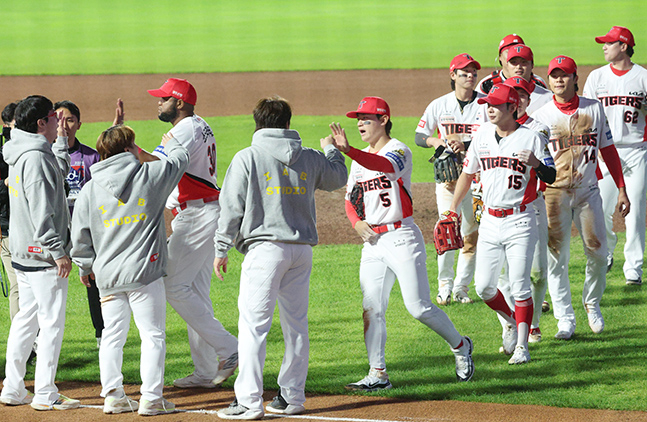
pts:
[95, 307]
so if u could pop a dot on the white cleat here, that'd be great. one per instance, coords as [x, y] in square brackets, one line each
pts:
[509, 338]
[520, 356]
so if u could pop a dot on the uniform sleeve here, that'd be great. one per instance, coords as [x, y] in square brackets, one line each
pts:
[371, 161]
[606, 138]
[232, 205]
[173, 163]
[60, 150]
[589, 88]
[427, 124]
[400, 158]
[83, 253]
[542, 152]
[183, 133]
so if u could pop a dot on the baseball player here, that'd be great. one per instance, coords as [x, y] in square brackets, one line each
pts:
[194, 204]
[499, 76]
[39, 245]
[510, 157]
[393, 243]
[456, 116]
[579, 133]
[82, 157]
[622, 88]
[540, 259]
[268, 211]
[119, 235]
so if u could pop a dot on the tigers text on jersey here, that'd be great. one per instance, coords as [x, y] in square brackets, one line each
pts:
[445, 114]
[387, 197]
[507, 182]
[624, 99]
[575, 141]
[199, 181]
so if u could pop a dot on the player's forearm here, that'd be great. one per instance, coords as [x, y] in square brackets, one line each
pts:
[351, 214]
[462, 187]
[612, 160]
[545, 173]
[371, 161]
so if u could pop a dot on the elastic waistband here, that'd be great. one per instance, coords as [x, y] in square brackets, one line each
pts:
[504, 212]
[184, 205]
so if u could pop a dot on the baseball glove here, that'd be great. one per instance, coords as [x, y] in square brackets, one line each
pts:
[447, 233]
[447, 168]
[357, 200]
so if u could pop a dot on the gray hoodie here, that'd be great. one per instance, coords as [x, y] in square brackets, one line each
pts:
[268, 191]
[40, 219]
[118, 229]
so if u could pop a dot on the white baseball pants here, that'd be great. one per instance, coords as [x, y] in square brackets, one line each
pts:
[634, 169]
[584, 207]
[273, 272]
[148, 306]
[466, 260]
[43, 295]
[398, 254]
[188, 283]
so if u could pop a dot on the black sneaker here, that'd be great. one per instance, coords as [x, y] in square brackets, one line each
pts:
[636, 282]
[279, 405]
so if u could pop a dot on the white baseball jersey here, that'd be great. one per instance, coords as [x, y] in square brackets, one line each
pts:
[199, 181]
[538, 98]
[507, 182]
[537, 126]
[624, 99]
[575, 141]
[445, 114]
[387, 197]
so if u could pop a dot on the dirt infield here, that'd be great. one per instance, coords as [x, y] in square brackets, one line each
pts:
[311, 93]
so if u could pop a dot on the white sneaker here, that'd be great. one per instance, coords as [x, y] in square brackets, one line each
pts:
[193, 381]
[462, 297]
[520, 356]
[565, 330]
[464, 362]
[156, 407]
[114, 405]
[15, 402]
[509, 338]
[375, 380]
[596, 321]
[534, 336]
[62, 403]
[238, 411]
[226, 369]
[444, 295]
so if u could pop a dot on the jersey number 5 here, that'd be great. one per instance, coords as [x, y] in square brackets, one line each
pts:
[384, 197]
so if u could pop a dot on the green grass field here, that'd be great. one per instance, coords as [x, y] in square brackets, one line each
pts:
[604, 371]
[122, 36]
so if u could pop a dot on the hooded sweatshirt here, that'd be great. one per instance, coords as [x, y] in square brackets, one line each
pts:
[268, 191]
[118, 229]
[40, 219]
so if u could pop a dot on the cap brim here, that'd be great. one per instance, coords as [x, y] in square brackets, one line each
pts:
[352, 114]
[158, 93]
[602, 40]
[490, 101]
[474, 62]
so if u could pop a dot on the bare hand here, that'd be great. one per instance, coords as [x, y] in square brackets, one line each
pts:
[456, 145]
[527, 157]
[328, 140]
[64, 266]
[366, 232]
[165, 138]
[119, 113]
[217, 264]
[60, 127]
[339, 136]
[85, 279]
[623, 206]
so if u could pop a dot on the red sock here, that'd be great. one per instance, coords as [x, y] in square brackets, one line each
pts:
[498, 304]
[523, 311]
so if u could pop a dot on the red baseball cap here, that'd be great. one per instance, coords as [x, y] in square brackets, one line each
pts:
[520, 50]
[564, 63]
[509, 40]
[371, 105]
[617, 33]
[176, 88]
[462, 61]
[501, 94]
[519, 82]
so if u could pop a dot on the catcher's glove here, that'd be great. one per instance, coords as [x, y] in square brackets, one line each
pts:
[357, 200]
[447, 233]
[447, 168]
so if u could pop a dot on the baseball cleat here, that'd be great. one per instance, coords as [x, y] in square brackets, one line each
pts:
[464, 362]
[509, 338]
[520, 356]
[444, 296]
[545, 306]
[635, 282]
[226, 369]
[61, 403]
[156, 407]
[238, 411]
[16, 402]
[113, 405]
[534, 336]
[565, 331]
[462, 297]
[279, 405]
[193, 381]
[596, 321]
[375, 380]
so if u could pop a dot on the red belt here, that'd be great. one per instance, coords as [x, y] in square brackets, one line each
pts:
[183, 205]
[502, 212]
[386, 227]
